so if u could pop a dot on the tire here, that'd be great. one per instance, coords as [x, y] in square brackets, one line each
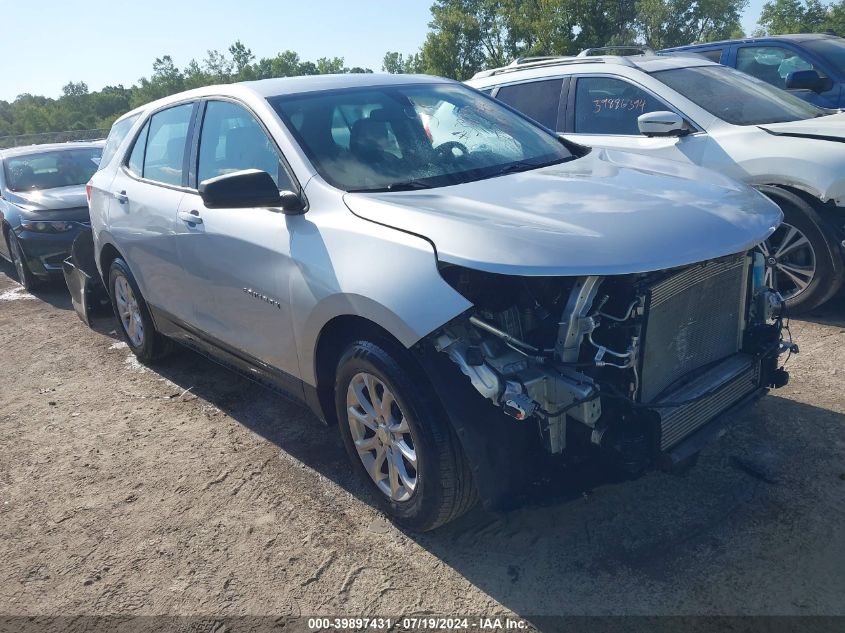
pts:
[433, 488]
[808, 260]
[132, 313]
[25, 276]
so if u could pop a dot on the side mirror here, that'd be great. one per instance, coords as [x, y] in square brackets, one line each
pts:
[662, 123]
[247, 189]
[806, 80]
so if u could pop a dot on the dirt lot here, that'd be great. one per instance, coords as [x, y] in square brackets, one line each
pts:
[184, 489]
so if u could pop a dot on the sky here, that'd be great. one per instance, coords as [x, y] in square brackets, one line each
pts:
[110, 42]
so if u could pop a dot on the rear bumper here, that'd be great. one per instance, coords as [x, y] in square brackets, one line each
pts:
[87, 291]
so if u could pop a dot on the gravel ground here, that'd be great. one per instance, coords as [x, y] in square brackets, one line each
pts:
[183, 489]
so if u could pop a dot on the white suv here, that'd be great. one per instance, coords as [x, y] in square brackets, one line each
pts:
[690, 109]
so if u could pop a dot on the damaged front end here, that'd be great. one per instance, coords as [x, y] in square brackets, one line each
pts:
[640, 366]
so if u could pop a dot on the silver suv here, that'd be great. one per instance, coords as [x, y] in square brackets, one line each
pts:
[458, 306]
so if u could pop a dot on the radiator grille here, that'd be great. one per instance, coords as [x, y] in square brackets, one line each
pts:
[734, 378]
[694, 319]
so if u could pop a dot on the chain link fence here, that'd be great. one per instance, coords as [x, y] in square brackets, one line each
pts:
[52, 137]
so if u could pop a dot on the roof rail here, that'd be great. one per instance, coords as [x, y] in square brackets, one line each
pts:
[526, 63]
[538, 58]
[633, 49]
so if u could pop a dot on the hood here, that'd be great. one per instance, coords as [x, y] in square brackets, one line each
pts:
[606, 213]
[61, 203]
[825, 128]
[50, 199]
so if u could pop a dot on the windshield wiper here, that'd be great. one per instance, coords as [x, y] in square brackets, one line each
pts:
[524, 165]
[408, 185]
[405, 185]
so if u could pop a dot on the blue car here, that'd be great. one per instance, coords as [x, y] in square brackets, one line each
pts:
[811, 65]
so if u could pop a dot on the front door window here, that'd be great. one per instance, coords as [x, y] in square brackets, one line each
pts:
[606, 105]
[772, 64]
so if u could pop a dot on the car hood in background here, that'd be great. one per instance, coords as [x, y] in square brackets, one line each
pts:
[50, 199]
[606, 213]
[831, 128]
[62, 203]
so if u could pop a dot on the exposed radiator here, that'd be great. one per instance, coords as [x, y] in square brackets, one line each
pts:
[695, 318]
[711, 393]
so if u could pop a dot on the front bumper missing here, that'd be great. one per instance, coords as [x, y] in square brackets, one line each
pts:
[708, 433]
[705, 397]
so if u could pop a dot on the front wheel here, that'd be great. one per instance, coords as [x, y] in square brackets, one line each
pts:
[398, 438]
[799, 260]
[25, 276]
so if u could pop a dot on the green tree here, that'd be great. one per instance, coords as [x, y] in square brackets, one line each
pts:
[330, 66]
[396, 63]
[453, 46]
[308, 68]
[77, 89]
[468, 35]
[393, 63]
[664, 23]
[797, 16]
[194, 76]
[604, 23]
[166, 79]
[241, 56]
[286, 64]
[836, 18]
[217, 66]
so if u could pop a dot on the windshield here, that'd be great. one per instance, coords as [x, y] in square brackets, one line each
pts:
[831, 50]
[735, 97]
[391, 138]
[49, 170]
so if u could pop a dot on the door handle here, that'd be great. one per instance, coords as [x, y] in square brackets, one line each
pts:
[121, 197]
[192, 218]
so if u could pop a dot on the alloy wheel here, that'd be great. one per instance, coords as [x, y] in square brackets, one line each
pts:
[128, 311]
[382, 436]
[17, 258]
[790, 261]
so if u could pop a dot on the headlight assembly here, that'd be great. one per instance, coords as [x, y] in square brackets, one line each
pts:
[46, 226]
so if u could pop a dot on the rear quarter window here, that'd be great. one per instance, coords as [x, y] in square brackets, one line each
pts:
[118, 132]
[714, 55]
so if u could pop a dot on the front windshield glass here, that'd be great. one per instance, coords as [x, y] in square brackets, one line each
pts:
[392, 138]
[832, 50]
[49, 170]
[735, 97]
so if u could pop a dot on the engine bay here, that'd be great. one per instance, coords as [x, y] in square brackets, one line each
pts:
[632, 363]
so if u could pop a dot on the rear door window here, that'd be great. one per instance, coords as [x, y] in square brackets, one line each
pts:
[714, 55]
[606, 105]
[539, 100]
[164, 156]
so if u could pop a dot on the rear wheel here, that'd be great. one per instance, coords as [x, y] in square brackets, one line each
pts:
[25, 276]
[799, 260]
[398, 438]
[131, 310]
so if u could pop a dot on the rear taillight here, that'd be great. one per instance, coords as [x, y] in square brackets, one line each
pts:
[88, 192]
